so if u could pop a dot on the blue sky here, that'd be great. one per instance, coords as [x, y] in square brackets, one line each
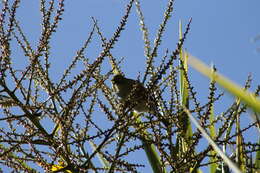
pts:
[220, 33]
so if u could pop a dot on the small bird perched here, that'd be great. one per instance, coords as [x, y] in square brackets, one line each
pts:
[135, 95]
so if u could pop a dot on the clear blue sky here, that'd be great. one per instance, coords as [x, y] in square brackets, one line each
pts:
[220, 33]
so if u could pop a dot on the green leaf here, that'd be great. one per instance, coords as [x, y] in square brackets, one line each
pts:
[247, 97]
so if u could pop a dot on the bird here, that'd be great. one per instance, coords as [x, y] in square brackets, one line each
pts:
[134, 95]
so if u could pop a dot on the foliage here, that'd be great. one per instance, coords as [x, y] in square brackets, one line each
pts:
[51, 125]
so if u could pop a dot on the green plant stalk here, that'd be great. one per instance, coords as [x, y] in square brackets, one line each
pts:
[212, 131]
[183, 82]
[240, 159]
[183, 85]
[153, 157]
[150, 150]
[183, 145]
